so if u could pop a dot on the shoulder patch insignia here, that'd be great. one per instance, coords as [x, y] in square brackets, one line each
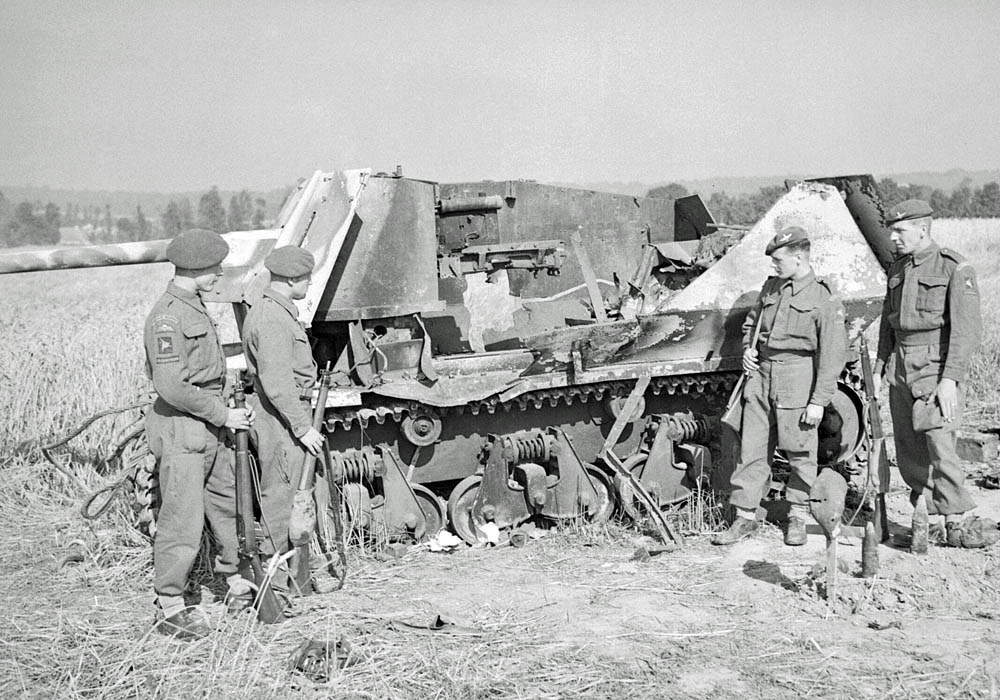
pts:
[969, 285]
[165, 345]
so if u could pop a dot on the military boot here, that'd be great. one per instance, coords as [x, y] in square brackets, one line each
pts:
[741, 527]
[185, 625]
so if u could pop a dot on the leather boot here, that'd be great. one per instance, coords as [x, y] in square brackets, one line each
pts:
[185, 625]
[741, 527]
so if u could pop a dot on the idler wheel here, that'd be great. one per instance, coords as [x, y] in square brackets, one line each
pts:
[460, 503]
[422, 430]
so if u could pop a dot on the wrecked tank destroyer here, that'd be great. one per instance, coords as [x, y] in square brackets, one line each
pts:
[485, 337]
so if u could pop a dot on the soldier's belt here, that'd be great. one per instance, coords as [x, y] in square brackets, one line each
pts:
[938, 336]
[785, 356]
[211, 388]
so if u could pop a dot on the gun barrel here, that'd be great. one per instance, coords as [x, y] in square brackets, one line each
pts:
[136, 253]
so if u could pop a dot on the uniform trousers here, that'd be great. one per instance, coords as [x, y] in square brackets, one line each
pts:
[774, 399]
[281, 457]
[925, 446]
[197, 482]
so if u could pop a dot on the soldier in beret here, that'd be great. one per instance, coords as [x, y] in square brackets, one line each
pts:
[930, 328]
[185, 429]
[280, 358]
[791, 377]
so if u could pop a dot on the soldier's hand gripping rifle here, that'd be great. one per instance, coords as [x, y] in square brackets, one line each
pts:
[732, 417]
[269, 608]
[878, 461]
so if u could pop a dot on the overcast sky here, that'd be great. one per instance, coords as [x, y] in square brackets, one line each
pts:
[181, 95]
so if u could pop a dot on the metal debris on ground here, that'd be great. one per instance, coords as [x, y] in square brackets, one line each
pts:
[438, 625]
[444, 541]
[317, 660]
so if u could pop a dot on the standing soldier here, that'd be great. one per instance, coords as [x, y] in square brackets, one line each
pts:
[185, 429]
[930, 328]
[793, 372]
[280, 358]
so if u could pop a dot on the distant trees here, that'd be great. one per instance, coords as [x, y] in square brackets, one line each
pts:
[240, 211]
[672, 191]
[29, 223]
[211, 213]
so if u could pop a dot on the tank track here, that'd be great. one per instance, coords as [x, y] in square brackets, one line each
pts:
[718, 383]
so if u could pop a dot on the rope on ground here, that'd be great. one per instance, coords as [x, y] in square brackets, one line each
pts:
[112, 461]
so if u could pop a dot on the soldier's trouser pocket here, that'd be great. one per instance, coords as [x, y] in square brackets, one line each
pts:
[793, 434]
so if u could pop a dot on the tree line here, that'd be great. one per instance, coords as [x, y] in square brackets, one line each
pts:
[963, 202]
[32, 223]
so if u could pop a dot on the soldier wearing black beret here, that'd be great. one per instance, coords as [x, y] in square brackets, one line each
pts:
[930, 327]
[792, 371]
[284, 373]
[185, 428]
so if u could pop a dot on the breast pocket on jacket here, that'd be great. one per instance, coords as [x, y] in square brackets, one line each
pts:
[200, 351]
[801, 319]
[931, 294]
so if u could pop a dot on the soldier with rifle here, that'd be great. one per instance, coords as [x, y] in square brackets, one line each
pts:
[186, 430]
[792, 373]
[930, 327]
[280, 359]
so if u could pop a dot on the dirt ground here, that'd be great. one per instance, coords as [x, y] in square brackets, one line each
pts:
[568, 615]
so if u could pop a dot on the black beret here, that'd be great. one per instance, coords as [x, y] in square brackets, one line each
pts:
[910, 209]
[290, 261]
[787, 236]
[197, 249]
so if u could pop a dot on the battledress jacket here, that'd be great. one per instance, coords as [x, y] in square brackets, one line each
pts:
[932, 309]
[184, 357]
[280, 358]
[801, 318]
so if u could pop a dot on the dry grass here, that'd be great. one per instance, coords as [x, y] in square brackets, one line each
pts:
[566, 616]
[979, 241]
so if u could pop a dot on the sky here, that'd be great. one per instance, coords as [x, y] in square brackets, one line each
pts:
[177, 95]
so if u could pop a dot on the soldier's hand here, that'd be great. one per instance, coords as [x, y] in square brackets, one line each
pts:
[238, 418]
[750, 360]
[947, 398]
[312, 441]
[812, 415]
[877, 384]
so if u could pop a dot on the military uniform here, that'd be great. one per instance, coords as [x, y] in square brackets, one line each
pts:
[801, 352]
[185, 433]
[280, 359]
[930, 327]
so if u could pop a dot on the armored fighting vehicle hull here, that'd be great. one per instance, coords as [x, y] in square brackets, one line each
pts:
[487, 338]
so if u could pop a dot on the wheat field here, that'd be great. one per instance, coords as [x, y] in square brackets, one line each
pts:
[73, 348]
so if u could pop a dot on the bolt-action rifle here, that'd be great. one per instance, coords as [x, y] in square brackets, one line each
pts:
[878, 461]
[269, 608]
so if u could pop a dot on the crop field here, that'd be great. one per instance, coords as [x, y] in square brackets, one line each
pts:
[568, 615]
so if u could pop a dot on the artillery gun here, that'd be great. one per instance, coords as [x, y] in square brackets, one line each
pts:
[486, 335]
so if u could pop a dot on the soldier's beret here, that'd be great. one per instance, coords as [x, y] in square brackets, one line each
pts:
[196, 249]
[787, 236]
[290, 261]
[910, 209]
